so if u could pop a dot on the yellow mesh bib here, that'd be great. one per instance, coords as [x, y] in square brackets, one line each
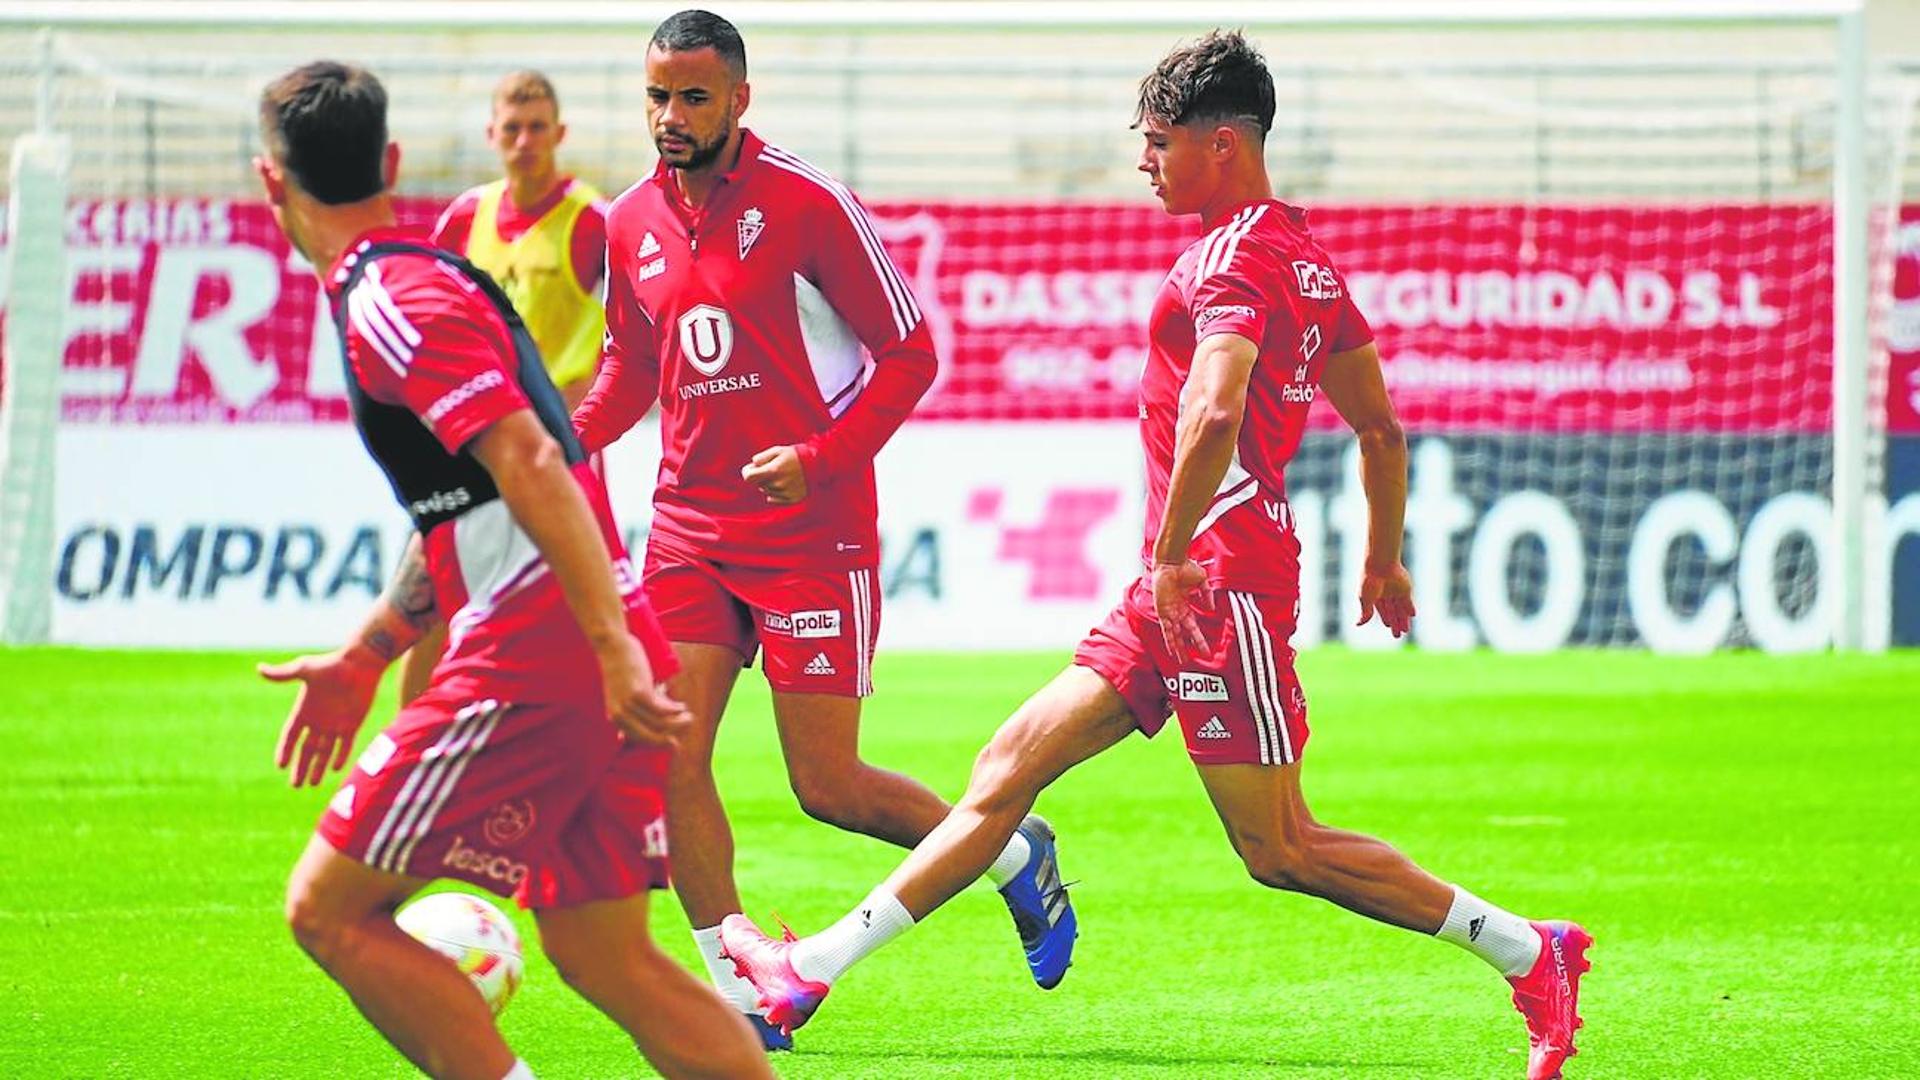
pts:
[535, 270]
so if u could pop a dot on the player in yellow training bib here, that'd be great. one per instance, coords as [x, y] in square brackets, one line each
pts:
[543, 236]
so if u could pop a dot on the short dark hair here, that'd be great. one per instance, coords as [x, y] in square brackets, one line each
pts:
[326, 124]
[1221, 78]
[692, 29]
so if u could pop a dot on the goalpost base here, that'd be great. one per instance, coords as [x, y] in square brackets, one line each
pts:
[36, 281]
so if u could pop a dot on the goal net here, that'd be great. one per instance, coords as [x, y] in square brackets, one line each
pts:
[1647, 393]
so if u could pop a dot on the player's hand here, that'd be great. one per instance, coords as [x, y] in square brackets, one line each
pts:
[1388, 593]
[642, 710]
[336, 690]
[1180, 589]
[777, 472]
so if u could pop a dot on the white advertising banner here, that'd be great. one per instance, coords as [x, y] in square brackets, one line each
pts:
[994, 536]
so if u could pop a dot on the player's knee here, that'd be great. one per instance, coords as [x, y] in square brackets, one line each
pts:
[1278, 864]
[828, 798]
[692, 759]
[323, 932]
[999, 782]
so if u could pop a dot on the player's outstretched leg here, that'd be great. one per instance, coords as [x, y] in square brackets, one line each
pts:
[1037, 899]
[1069, 720]
[697, 826]
[820, 735]
[684, 1029]
[1268, 822]
[341, 913]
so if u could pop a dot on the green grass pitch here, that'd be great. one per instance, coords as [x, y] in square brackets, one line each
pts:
[1736, 830]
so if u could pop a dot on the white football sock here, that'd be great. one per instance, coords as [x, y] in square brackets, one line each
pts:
[1501, 938]
[1013, 859]
[737, 991]
[824, 956]
[520, 1071]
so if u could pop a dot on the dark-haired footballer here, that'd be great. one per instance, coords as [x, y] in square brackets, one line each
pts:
[534, 764]
[746, 292]
[1252, 324]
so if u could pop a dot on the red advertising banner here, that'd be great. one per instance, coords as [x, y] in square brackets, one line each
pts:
[1902, 327]
[1490, 318]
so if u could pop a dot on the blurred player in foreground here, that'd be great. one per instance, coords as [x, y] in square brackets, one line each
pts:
[1251, 325]
[742, 284]
[534, 763]
[542, 235]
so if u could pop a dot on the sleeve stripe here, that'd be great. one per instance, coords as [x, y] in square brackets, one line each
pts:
[383, 300]
[906, 313]
[376, 333]
[864, 224]
[1206, 250]
[1227, 244]
[446, 215]
[375, 319]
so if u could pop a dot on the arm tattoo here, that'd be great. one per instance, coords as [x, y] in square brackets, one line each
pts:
[409, 608]
[411, 590]
[383, 645]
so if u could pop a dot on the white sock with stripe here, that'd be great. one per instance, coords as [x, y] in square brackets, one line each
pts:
[1501, 938]
[825, 956]
[520, 1071]
[1013, 859]
[736, 991]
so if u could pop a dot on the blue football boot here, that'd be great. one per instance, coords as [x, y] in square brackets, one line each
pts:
[771, 1036]
[1041, 911]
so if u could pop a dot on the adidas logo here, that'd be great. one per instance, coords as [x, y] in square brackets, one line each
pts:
[648, 246]
[820, 665]
[1474, 926]
[1214, 729]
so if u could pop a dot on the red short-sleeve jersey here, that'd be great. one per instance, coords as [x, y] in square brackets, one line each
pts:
[421, 335]
[1259, 274]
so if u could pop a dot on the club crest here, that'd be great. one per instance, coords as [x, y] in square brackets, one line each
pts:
[751, 225]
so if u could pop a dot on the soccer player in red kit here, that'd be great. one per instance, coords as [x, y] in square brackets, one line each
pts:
[542, 236]
[534, 763]
[743, 287]
[1251, 325]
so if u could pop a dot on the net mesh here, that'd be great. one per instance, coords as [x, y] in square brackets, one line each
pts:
[1599, 266]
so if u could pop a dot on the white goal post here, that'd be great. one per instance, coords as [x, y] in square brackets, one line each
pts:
[1861, 179]
[35, 279]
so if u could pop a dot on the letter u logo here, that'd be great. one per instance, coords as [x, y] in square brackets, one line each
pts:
[706, 338]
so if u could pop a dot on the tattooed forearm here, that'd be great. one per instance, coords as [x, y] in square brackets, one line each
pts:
[382, 644]
[411, 590]
[405, 611]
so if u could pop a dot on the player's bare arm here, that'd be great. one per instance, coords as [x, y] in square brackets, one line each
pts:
[337, 688]
[1212, 405]
[1354, 384]
[531, 472]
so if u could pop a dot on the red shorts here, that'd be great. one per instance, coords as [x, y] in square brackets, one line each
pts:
[817, 626]
[541, 802]
[1241, 704]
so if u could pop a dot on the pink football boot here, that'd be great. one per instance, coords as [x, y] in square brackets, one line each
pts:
[1549, 997]
[787, 999]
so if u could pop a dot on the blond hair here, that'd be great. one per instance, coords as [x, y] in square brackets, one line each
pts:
[522, 87]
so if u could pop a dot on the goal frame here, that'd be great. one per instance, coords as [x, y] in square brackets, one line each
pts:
[1859, 619]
